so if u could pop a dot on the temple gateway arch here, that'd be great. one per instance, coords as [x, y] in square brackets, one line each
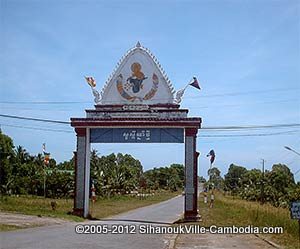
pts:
[136, 105]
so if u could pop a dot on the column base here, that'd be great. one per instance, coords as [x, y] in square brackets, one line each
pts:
[192, 216]
[78, 212]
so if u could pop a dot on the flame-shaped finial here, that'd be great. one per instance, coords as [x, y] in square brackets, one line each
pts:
[138, 45]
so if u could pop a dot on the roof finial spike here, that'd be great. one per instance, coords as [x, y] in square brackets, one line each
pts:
[138, 45]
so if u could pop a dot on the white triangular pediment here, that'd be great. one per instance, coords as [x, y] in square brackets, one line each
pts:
[138, 79]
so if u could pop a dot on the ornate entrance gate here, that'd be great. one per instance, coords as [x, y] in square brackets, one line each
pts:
[136, 105]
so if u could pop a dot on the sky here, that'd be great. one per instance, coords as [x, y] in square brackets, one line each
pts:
[245, 54]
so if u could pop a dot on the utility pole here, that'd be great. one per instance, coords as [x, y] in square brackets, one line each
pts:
[262, 197]
[45, 163]
[210, 174]
[44, 180]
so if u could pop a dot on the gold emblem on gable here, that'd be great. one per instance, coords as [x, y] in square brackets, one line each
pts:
[135, 83]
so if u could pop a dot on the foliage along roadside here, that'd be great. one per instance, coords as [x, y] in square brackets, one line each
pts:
[115, 174]
[276, 186]
[232, 210]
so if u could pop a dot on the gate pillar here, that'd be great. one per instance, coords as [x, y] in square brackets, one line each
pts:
[191, 176]
[82, 172]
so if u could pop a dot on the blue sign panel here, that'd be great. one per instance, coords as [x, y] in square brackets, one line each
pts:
[295, 210]
[137, 135]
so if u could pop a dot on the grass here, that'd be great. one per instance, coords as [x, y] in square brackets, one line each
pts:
[229, 211]
[5, 227]
[39, 206]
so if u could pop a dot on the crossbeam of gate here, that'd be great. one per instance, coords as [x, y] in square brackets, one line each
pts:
[183, 130]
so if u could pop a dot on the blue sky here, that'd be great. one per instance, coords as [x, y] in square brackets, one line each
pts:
[245, 53]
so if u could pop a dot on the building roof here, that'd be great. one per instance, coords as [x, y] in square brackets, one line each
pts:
[138, 79]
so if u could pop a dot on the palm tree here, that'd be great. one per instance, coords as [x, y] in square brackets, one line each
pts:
[22, 155]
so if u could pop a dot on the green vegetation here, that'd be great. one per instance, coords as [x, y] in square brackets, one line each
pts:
[229, 211]
[103, 207]
[120, 183]
[118, 178]
[39, 206]
[112, 175]
[171, 178]
[22, 173]
[5, 227]
[276, 187]
[246, 190]
[215, 181]
[115, 174]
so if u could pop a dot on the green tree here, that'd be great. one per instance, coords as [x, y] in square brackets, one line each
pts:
[171, 178]
[279, 183]
[251, 185]
[215, 178]
[7, 155]
[233, 178]
[201, 179]
[115, 173]
[294, 194]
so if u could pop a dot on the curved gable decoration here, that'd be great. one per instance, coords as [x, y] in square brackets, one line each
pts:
[138, 79]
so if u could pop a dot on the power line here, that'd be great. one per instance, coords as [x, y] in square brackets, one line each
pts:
[243, 104]
[195, 108]
[188, 97]
[35, 119]
[246, 93]
[203, 128]
[37, 128]
[45, 102]
[39, 109]
[250, 127]
[251, 135]
[200, 136]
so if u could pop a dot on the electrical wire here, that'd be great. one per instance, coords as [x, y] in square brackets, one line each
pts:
[36, 128]
[200, 136]
[250, 127]
[35, 119]
[203, 128]
[187, 97]
[194, 108]
[251, 135]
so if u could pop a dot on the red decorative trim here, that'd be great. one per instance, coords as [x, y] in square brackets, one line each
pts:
[130, 111]
[190, 216]
[78, 212]
[134, 119]
[81, 132]
[175, 106]
[191, 132]
[135, 123]
[191, 213]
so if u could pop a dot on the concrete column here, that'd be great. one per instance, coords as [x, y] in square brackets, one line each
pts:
[82, 175]
[191, 176]
[87, 175]
[75, 181]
